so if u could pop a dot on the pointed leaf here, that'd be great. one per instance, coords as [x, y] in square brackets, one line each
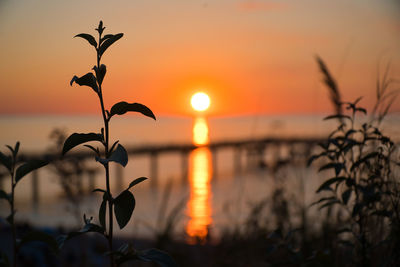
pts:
[100, 72]
[109, 41]
[337, 116]
[28, 167]
[136, 181]
[326, 185]
[329, 203]
[337, 166]
[107, 36]
[363, 110]
[119, 155]
[157, 256]
[88, 80]
[89, 38]
[122, 107]
[6, 161]
[16, 149]
[79, 138]
[124, 205]
[42, 237]
[324, 199]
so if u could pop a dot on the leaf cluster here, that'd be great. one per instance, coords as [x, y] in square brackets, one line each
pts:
[360, 160]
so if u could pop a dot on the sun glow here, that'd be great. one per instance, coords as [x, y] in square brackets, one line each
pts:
[200, 101]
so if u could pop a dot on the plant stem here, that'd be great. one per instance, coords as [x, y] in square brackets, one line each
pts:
[106, 165]
[14, 232]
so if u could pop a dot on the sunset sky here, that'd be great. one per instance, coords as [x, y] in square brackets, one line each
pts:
[251, 57]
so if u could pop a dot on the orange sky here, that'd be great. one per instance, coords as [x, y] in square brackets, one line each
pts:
[251, 57]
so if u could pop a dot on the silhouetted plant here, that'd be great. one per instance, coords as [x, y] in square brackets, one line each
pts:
[364, 183]
[123, 205]
[18, 170]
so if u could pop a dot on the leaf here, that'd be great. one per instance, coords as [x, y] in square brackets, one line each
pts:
[329, 203]
[28, 167]
[6, 161]
[79, 138]
[121, 108]
[100, 72]
[89, 38]
[346, 195]
[337, 166]
[42, 237]
[108, 42]
[124, 205]
[337, 116]
[99, 190]
[14, 150]
[88, 80]
[107, 36]
[136, 181]
[326, 185]
[102, 211]
[158, 256]
[363, 110]
[322, 200]
[4, 195]
[119, 155]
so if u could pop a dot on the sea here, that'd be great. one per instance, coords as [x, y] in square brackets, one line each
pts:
[202, 194]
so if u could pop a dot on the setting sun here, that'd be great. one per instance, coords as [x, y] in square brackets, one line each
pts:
[200, 101]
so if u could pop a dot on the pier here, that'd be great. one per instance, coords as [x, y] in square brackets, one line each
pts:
[253, 151]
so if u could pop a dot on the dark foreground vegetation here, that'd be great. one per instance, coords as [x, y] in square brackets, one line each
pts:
[358, 202]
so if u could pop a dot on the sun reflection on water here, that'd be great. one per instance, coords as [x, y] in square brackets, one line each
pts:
[200, 173]
[200, 131]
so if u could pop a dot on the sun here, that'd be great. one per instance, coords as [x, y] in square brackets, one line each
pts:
[200, 101]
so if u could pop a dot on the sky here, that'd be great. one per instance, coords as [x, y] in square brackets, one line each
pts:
[250, 56]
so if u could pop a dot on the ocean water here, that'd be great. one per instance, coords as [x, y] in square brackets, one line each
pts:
[209, 190]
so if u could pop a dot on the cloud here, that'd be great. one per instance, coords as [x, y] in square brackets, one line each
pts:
[257, 5]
